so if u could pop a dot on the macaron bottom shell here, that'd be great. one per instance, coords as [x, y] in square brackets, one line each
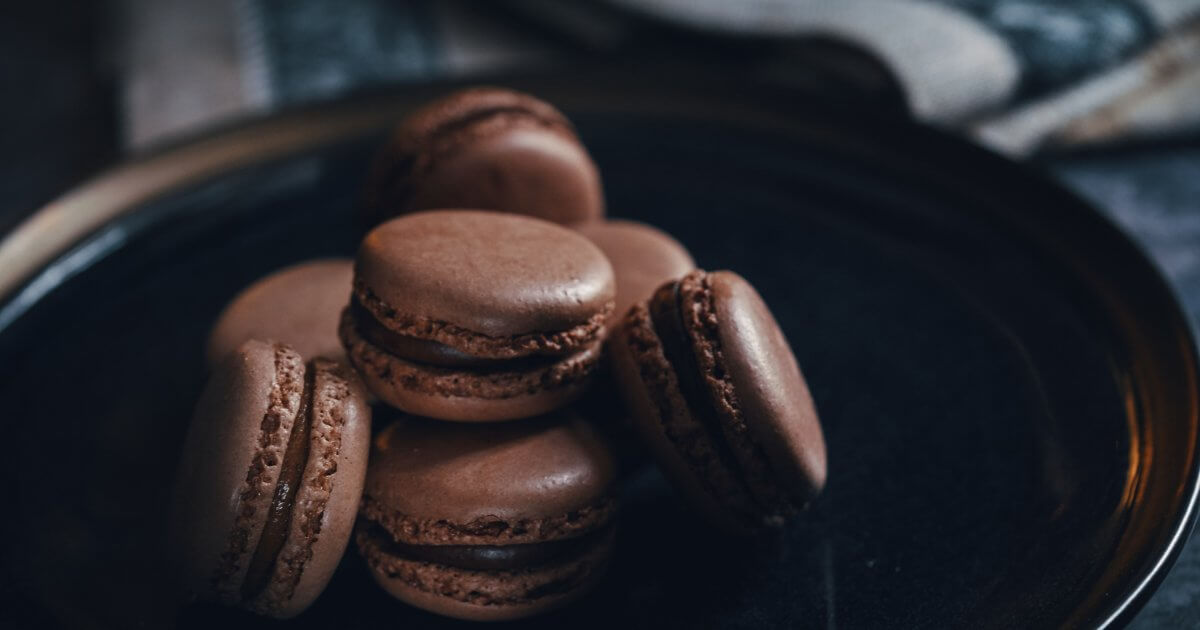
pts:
[486, 595]
[468, 395]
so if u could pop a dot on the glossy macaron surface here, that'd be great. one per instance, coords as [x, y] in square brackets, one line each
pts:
[539, 468]
[762, 369]
[297, 305]
[643, 257]
[482, 273]
[487, 148]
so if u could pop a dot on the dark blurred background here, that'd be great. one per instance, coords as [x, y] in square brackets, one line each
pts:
[1102, 94]
[89, 82]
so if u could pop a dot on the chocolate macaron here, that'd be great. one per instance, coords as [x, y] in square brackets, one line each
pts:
[643, 258]
[488, 522]
[486, 148]
[477, 316]
[298, 305]
[269, 480]
[719, 398]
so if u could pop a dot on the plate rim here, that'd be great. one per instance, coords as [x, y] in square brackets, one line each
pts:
[65, 223]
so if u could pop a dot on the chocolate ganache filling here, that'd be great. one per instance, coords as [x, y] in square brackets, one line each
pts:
[279, 515]
[667, 318]
[489, 557]
[431, 352]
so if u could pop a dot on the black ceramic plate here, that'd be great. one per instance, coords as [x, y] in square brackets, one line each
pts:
[1008, 388]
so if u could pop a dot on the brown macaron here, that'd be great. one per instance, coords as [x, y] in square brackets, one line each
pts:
[643, 258]
[477, 316]
[269, 480]
[486, 148]
[488, 522]
[719, 398]
[298, 305]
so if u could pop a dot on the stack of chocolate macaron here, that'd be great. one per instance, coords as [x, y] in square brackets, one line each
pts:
[488, 298]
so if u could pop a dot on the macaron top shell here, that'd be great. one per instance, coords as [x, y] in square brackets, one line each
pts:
[486, 480]
[487, 148]
[775, 401]
[299, 305]
[643, 257]
[486, 273]
[459, 112]
[521, 169]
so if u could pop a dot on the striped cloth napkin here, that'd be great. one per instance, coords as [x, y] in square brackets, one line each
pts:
[1018, 75]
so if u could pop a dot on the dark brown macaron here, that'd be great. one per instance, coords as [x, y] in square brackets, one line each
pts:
[643, 258]
[487, 148]
[269, 480]
[298, 305]
[488, 522]
[477, 316]
[719, 398]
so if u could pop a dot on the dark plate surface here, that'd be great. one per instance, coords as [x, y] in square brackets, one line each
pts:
[1008, 388]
